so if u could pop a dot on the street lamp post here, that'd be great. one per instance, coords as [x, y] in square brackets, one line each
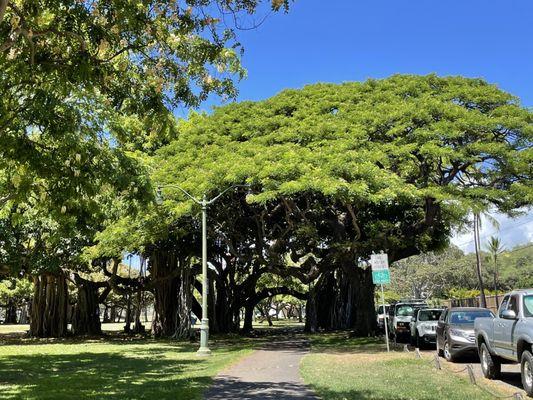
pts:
[203, 203]
[204, 325]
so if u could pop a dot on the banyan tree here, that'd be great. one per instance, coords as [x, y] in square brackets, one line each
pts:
[337, 171]
[334, 172]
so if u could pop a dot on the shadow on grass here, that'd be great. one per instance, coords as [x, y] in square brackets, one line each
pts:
[100, 375]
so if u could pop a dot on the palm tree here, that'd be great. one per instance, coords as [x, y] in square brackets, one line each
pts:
[477, 245]
[495, 248]
[477, 224]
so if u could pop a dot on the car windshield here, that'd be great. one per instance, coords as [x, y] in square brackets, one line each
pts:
[429, 315]
[405, 311]
[468, 317]
[528, 306]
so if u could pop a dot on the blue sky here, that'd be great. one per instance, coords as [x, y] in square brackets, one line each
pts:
[336, 41]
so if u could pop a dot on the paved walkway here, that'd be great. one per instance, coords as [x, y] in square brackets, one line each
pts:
[267, 374]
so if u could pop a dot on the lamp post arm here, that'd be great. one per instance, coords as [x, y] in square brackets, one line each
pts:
[224, 191]
[184, 192]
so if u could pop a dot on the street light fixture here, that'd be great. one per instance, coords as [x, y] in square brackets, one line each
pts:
[204, 326]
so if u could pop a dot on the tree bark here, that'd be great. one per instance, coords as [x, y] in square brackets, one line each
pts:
[24, 319]
[166, 288]
[49, 306]
[11, 312]
[248, 318]
[138, 327]
[106, 318]
[227, 307]
[127, 322]
[184, 329]
[86, 314]
[343, 299]
[311, 319]
[113, 314]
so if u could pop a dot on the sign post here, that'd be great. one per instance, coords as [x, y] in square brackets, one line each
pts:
[381, 276]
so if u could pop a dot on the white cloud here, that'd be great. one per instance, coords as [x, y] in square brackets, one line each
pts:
[511, 231]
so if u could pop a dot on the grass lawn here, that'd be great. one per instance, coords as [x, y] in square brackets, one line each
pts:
[111, 368]
[348, 369]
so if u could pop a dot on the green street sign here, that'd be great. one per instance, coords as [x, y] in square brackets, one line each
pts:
[381, 276]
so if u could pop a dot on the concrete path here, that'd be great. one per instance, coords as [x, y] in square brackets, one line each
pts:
[267, 374]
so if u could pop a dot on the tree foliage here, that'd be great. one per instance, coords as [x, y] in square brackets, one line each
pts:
[82, 80]
[405, 152]
[451, 273]
[339, 171]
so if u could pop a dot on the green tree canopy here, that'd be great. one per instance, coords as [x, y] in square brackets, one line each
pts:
[336, 172]
[82, 79]
[432, 147]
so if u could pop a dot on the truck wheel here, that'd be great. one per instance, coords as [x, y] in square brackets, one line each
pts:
[490, 365]
[448, 352]
[527, 372]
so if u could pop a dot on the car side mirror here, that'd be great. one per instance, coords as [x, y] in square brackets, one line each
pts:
[508, 314]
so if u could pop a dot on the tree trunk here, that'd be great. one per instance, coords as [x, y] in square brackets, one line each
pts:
[11, 312]
[227, 308]
[113, 314]
[24, 319]
[138, 327]
[343, 299]
[127, 323]
[184, 329]
[211, 309]
[86, 314]
[311, 319]
[496, 280]
[478, 261]
[248, 318]
[106, 318]
[268, 316]
[166, 288]
[49, 306]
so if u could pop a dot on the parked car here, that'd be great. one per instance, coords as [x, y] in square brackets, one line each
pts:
[424, 326]
[455, 331]
[508, 337]
[400, 315]
[382, 316]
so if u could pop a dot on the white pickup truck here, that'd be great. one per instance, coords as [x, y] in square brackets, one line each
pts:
[508, 337]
